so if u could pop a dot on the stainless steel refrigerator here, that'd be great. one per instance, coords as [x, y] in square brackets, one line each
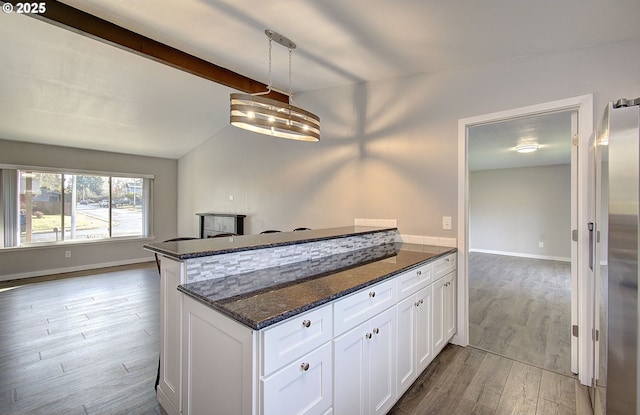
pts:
[616, 355]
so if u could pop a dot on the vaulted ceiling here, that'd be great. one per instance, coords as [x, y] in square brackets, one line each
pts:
[60, 87]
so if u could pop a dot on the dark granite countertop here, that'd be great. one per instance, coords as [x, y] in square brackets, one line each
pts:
[261, 298]
[214, 246]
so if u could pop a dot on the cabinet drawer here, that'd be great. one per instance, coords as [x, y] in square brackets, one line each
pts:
[350, 311]
[302, 387]
[414, 280]
[295, 337]
[443, 266]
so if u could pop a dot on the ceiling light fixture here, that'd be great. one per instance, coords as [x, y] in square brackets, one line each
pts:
[270, 117]
[527, 148]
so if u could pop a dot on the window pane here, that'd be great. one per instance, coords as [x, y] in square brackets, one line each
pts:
[40, 206]
[86, 207]
[128, 204]
[52, 207]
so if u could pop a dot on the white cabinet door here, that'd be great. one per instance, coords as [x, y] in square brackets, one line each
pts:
[450, 306]
[406, 344]
[170, 382]
[414, 352]
[424, 317]
[349, 368]
[302, 387]
[438, 315]
[444, 293]
[382, 362]
[364, 367]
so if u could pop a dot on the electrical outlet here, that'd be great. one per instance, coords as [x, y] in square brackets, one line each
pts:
[540, 244]
[67, 254]
[230, 197]
[446, 223]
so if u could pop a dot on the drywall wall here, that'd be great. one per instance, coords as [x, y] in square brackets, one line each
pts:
[388, 148]
[512, 211]
[26, 262]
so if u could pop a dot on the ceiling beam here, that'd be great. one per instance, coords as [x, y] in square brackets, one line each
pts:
[89, 25]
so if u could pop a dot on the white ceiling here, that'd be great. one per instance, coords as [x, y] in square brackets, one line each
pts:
[59, 87]
[492, 146]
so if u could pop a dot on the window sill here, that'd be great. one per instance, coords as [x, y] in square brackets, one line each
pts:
[47, 245]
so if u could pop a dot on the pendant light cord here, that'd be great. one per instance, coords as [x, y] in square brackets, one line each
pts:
[268, 91]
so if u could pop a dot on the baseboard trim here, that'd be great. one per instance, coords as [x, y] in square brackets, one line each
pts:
[87, 267]
[521, 255]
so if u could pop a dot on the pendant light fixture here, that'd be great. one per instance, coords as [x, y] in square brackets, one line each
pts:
[263, 115]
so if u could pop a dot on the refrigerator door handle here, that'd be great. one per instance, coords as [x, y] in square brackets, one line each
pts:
[592, 245]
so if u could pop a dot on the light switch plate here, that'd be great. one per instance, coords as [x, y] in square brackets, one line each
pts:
[446, 223]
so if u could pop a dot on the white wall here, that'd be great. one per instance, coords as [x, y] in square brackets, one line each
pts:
[26, 262]
[512, 210]
[388, 148]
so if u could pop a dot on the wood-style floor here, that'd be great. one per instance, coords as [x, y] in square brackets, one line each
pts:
[464, 381]
[81, 345]
[521, 308]
[89, 345]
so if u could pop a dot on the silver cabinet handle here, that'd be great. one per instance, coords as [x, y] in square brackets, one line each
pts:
[447, 259]
[421, 301]
[376, 330]
[417, 303]
[304, 366]
[419, 272]
[306, 323]
[372, 294]
[368, 335]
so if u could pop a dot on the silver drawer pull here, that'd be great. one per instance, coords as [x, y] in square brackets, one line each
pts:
[368, 335]
[376, 330]
[372, 294]
[417, 303]
[447, 259]
[306, 323]
[419, 272]
[304, 366]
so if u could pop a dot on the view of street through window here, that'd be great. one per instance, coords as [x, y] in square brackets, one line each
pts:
[88, 207]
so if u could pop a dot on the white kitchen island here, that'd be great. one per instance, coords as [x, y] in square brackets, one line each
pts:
[334, 321]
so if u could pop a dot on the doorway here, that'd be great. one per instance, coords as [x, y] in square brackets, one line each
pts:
[580, 110]
[520, 238]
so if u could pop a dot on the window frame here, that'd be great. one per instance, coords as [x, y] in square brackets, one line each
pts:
[147, 211]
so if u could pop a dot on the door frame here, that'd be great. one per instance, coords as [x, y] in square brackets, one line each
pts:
[583, 104]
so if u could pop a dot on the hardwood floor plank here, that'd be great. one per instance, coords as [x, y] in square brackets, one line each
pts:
[546, 407]
[558, 389]
[583, 402]
[488, 383]
[520, 395]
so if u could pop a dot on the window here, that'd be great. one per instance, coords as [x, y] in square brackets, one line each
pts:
[47, 206]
